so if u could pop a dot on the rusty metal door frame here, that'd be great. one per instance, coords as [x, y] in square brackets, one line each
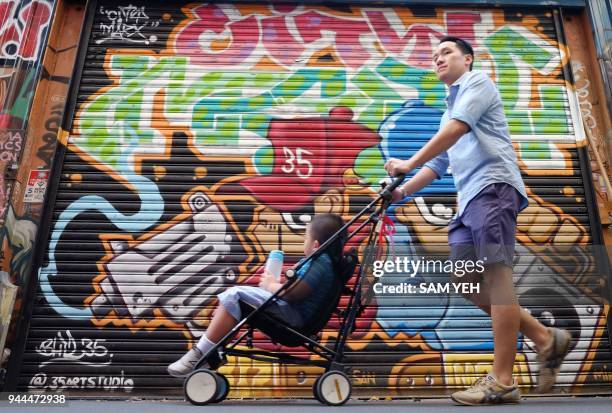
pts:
[602, 261]
[30, 285]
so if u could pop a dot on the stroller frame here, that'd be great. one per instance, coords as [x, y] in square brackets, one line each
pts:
[205, 386]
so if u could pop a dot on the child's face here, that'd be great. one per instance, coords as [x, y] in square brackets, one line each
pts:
[310, 244]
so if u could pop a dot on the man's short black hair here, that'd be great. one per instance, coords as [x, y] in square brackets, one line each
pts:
[463, 45]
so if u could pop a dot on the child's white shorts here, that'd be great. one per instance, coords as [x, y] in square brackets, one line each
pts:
[257, 296]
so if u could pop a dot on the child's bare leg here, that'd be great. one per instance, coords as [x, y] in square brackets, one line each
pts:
[221, 324]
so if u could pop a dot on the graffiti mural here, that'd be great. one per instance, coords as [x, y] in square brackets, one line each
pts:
[208, 136]
[23, 31]
[11, 143]
[27, 82]
[127, 24]
[23, 28]
[188, 262]
[591, 102]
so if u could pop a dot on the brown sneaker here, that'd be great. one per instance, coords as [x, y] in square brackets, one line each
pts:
[487, 390]
[551, 357]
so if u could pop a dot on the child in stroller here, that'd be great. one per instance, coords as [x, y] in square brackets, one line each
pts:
[294, 313]
[295, 305]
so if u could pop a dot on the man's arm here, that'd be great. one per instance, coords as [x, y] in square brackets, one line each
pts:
[419, 181]
[479, 93]
[446, 137]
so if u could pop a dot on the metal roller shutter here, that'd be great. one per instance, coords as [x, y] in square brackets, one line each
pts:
[207, 135]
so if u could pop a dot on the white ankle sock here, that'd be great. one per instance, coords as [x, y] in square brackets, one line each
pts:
[204, 344]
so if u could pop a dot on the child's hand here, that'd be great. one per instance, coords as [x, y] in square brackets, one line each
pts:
[266, 279]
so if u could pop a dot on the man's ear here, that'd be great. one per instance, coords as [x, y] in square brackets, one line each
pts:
[470, 59]
[316, 244]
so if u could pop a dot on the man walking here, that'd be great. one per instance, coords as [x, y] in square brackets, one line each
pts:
[475, 141]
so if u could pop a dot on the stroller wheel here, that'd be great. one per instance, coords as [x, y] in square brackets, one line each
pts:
[333, 388]
[314, 389]
[201, 387]
[223, 389]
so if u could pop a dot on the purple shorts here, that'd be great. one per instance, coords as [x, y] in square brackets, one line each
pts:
[487, 228]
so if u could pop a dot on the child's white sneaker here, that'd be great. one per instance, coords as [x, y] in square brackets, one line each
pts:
[185, 364]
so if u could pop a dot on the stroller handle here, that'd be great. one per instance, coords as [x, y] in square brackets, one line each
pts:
[388, 189]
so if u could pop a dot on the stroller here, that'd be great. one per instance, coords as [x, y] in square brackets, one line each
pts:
[205, 385]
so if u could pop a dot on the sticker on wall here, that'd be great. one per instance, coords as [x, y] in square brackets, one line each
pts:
[37, 186]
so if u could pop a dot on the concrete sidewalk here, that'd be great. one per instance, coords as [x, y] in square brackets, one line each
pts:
[532, 405]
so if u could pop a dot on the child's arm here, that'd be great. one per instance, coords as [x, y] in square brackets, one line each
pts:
[297, 292]
[268, 282]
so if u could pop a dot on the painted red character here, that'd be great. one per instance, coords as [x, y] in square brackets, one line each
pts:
[311, 155]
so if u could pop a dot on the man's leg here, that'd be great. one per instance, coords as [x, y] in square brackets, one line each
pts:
[505, 317]
[529, 325]
[488, 225]
[552, 344]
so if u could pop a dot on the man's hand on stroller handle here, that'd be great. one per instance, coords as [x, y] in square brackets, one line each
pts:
[398, 194]
[391, 190]
[396, 167]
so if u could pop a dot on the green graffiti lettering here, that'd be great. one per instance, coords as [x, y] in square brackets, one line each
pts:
[107, 117]
[373, 86]
[534, 150]
[253, 113]
[512, 51]
[430, 90]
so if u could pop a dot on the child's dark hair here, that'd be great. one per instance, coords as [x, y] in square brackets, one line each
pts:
[322, 227]
[463, 45]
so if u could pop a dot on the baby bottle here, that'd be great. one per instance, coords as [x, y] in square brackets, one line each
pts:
[275, 263]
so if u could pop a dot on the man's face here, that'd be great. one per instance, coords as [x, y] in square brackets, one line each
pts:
[450, 63]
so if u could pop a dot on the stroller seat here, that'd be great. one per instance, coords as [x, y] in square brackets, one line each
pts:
[281, 332]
